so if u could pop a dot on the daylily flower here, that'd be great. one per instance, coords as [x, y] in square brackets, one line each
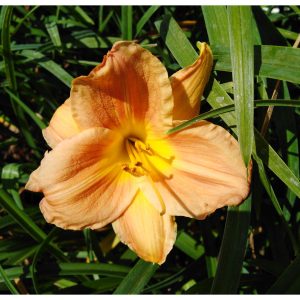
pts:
[112, 161]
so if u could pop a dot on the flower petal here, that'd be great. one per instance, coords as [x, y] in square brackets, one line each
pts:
[208, 172]
[130, 85]
[145, 231]
[61, 126]
[82, 181]
[188, 85]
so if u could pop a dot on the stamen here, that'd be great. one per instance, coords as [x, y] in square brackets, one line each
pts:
[140, 146]
[141, 165]
[133, 169]
[129, 150]
[140, 162]
[161, 201]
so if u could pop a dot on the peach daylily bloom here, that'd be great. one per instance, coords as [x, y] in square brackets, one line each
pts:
[112, 161]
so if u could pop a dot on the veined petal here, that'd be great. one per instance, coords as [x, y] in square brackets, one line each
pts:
[82, 181]
[188, 85]
[145, 231]
[130, 85]
[62, 125]
[208, 172]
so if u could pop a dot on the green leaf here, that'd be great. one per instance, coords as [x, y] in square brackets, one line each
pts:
[111, 270]
[229, 108]
[270, 158]
[289, 281]
[242, 59]
[5, 26]
[7, 282]
[33, 213]
[21, 218]
[14, 272]
[288, 34]
[209, 114]
[275, 62]
[232, 250]
[19, 256]
[289, 132]
[84, 15]
[5, 42]
[267, 185]
[175, 278]
[216, 24]
[37, 254]
[145, 18]
[54, 34]
[273, 267]
[9, 176]
[26, 222]
[88, 38]
[103, 23]
[268, 33]
[126, 22]
[102, 285]
[26, 109]
[49, 65]
[137, 278]
[211, 265]
[72, 269]
[188, 245]
[176, 41]
[21, 22]
[280, 63]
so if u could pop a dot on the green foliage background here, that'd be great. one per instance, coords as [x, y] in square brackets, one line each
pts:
[251, 249]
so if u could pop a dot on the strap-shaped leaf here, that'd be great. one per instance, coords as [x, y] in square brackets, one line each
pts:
[216, 24]
[7, 282]
[49, 65]
[289, 281]
[277, 62]
[145, 18]
[242, 59]
[126, 22]
[5, 25]
[137, 278]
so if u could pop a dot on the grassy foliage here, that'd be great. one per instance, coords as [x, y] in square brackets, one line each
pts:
[250, 249]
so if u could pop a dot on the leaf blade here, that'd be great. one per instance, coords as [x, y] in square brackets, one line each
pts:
[145, 18]
[7, 282]
[242, 59]
[137, 278]
[49, 65]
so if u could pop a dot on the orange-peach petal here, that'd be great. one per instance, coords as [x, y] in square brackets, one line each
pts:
[145, 231]
[82, 181]
[188, 85]
[62, 125]
[208, 172]
[130, 86]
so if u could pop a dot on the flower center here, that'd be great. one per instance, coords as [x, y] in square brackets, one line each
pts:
[140, 164]
[137, 152]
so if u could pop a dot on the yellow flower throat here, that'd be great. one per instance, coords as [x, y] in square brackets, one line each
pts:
[137, 151]
[140, 165]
